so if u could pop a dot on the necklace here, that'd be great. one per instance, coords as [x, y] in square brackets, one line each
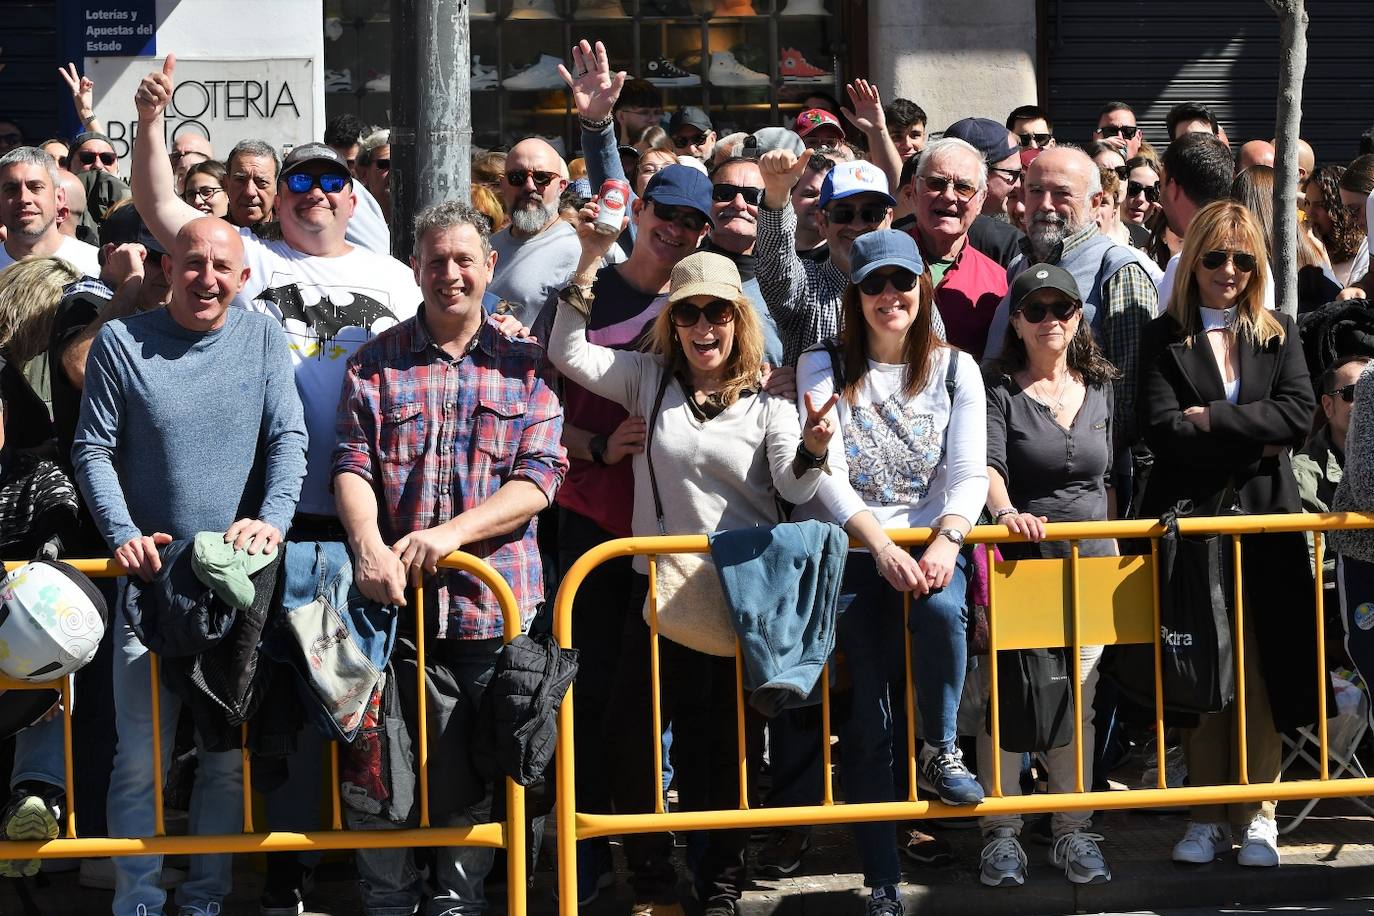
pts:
[1057, 407]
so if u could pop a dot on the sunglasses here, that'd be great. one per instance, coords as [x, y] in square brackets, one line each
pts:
[88, 157]
[1126, 132]
[329, 182]
[1245, 262]
[1011, 176]
[1035, 312]
[1040, 140]
[843, 214]
[1345, 393]
[717, 312]
[964, 190]
[1121, 171]
[902, 280]
[682, 141]
[724, 193]
[385, 164]
[684, 217]
[205, 193]
[1151, 191]
[517, 178]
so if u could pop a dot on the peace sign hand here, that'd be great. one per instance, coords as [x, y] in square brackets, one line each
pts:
[594, 87]
[818, 428]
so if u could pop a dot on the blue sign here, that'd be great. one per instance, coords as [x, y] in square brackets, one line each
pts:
[118, 28]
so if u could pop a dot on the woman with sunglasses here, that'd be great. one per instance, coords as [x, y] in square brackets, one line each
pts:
[1049, 459]
[1224, 394]
[718, 453]
[204, 188]
[911, 454]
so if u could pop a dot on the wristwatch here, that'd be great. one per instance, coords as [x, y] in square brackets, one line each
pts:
[954, 535]
[597, 446]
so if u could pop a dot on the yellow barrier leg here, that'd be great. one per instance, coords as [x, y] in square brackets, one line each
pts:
[159, 824]
[994, 710]
[422, 718]
[655, 692]
[829, 788]
[910, 699]
[247, 780]
[1242, 751]
[334, 799]
[740, 731]
[1318, 542]
[1077, 659]
[68, 695]
[1162, 779]
[516, 853]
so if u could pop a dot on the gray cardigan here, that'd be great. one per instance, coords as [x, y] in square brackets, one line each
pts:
[1356, 490]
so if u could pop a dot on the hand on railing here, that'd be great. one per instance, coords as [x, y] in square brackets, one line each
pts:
[139, 555]
[1024, 523]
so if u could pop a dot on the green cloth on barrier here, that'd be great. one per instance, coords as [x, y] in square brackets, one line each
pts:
[226, 570]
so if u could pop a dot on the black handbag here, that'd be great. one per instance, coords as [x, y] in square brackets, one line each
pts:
[1035, 699]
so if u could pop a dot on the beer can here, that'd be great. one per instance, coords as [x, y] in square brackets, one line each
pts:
[615, 197]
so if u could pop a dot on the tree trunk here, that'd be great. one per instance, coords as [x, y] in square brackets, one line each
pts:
[1292, 63]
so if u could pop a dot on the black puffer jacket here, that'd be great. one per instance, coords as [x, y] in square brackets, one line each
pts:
[517, 722]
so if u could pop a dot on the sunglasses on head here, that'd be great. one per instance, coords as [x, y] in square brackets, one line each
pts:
[1345, 393]
[724, 193]
[382, 164]
[518, 177]
[1038, 139]
[1035, 312]
[964, 190]
[901, 279]
[1151, 191]
[1010, 176]
[88, 157]
[1244, 261]
[1125, 132]
[844, 214]
[717, 312]
[684, 217]
[682, 141]
[329, 182]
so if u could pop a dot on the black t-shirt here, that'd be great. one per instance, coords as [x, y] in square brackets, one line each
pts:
[27, 424]
[81, 304]
[996, 239]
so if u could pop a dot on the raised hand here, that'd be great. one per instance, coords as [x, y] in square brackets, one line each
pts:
[866, 111]
[594, 87]
[155, 91]
[818, 428]
[595, 243]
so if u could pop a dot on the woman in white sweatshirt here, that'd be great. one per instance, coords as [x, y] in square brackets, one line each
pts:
[912, 452]
[718, 453]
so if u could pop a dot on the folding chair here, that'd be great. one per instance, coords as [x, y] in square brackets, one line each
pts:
[1343, 736]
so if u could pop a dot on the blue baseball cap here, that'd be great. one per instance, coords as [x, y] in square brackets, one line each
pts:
[681, 186]
[883, 248]
[849, 178]
[990, 138]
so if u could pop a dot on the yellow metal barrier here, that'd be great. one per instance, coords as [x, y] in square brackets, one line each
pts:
[1048, 597]
[508, 835]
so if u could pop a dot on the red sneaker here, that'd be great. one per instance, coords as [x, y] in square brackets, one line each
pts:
[794, 68]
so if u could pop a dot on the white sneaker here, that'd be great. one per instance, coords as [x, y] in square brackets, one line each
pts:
[1078, 854]
[1260, 848]
[542, 74]
[727, 71]
[1004, 861]
[1200, 842]
[482, 77]
[380, 82]
[338, 81]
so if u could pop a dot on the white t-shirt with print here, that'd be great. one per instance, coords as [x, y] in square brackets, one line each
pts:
[328, 307]
[85, 258]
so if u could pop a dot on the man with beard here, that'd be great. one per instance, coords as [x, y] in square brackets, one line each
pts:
[736, 192]
[537, 252]
[1063, 190]
[30, 196]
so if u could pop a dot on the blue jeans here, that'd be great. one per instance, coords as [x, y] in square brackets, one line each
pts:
[456, 675]
[216, 800]
[870, 633]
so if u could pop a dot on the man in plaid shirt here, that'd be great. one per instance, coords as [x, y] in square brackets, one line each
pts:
[448, 438]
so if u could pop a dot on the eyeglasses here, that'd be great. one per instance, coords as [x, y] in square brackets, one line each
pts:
[329, 182]
[1345, 393]
[724, 193]
[1011, 176]
[1124, 131]
[383, 164]
[1041, 140]
[843, 214]
[682, 141]
[1151, 191]
[1244, 261]
[684, 217]
[717, 312]
[1035, 312]
[901, 279]
[206, 193]
[964, 190]
[88, 157]
[517, 178]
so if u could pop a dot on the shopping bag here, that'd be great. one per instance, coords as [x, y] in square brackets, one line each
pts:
[1035, 699]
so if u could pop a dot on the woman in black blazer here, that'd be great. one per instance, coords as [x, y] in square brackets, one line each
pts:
[1224, 395]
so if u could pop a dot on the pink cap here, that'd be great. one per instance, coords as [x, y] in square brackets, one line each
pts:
[814, 119]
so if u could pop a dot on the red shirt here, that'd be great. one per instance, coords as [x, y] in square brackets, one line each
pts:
[968, 295]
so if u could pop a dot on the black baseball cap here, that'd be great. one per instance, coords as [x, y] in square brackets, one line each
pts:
[691, 116]
[1043, 276]
[987, 136]
[307, 153]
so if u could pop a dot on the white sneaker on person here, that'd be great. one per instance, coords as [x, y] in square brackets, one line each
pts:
[1078, 855]
[1004, 861]
[1260, 847]
[1202, 842]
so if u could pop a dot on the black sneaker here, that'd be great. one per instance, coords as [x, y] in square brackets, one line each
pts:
[782, 853]
[661, 71]
[921, 847]
[287, 887]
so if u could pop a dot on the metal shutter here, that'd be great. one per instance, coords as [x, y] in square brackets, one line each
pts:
[1154, 54]
[29, 83]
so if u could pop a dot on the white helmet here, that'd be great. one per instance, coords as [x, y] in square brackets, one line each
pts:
[51, 621]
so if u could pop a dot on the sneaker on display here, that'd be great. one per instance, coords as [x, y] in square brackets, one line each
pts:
[663, 72]
[333, 28]
[482, 76]
[600, 9]
[1004, 861]
[794, 68]
[542, 74]
[380, 82]
[727, 71]
[1078, 855]
[534, 9]
[728, 9]
[338, 81]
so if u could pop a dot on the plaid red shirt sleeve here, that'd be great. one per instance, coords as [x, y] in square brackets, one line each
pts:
[437, 436]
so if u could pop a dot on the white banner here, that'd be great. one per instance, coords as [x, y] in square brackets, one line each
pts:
[225, 100]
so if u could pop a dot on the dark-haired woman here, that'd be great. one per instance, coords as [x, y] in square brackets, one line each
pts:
[1224, 395]
[911, 453]
[1049, 459]
[204, 188]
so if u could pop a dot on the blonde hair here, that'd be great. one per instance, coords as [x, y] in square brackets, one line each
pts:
[1216, 226]
[743, 363]
[30, 291]
[486, 202]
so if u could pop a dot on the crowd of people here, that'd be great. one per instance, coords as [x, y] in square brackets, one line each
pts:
[850, 318]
